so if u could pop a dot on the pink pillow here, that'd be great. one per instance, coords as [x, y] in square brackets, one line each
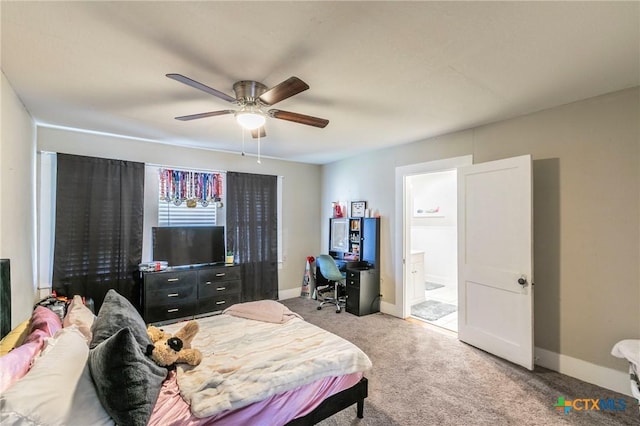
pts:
[46, 320]
[15, 364]
[80, 316]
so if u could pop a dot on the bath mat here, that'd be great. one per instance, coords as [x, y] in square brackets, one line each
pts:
[432, 310]
[432, 286]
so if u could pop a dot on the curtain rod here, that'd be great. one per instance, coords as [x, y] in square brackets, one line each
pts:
[188, 169]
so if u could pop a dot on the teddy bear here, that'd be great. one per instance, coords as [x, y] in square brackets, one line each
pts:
[168, 350]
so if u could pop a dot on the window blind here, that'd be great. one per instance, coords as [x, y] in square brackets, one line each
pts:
[171, 215]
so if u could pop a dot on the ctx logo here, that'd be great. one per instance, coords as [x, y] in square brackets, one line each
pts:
[585, 404]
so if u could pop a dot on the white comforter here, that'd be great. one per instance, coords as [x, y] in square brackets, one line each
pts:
[245, 361]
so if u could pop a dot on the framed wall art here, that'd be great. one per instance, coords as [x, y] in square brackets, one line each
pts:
[358, 208]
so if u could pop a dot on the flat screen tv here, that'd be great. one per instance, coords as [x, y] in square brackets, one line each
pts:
[189, 245]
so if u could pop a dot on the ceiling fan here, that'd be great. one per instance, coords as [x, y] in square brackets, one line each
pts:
[253, 98]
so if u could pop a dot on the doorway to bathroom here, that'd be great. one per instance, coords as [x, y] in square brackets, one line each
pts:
[433, 284]
[428, 236]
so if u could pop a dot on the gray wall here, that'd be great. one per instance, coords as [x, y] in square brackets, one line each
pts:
[586, 170]
[17, 201]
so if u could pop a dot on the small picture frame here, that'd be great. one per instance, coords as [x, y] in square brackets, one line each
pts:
[358, 208]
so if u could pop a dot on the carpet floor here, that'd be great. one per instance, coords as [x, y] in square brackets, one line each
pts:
[422, 376]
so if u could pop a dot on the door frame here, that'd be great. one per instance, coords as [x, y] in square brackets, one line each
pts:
[403, 222]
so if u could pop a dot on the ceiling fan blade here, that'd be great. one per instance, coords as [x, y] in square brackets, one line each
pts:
[254, 133]
[189, 82]
[205, 114]
[298, 118]
[286, 89]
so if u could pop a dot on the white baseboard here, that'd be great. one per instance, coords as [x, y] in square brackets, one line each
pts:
[605, 377]
[390, 309]
[289, 293]
[44, 292]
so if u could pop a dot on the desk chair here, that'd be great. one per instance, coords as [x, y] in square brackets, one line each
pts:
[335, 279]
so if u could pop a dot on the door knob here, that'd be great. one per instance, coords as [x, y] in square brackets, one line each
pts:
[522, 280]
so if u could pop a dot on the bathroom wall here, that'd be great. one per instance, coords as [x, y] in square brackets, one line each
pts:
[433, 224]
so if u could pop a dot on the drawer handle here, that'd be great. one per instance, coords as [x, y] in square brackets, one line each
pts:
[170, 280]
[221, 288]
[207, 283]
[172, 295]
[220, 274]
[222, 302]
[172, 310]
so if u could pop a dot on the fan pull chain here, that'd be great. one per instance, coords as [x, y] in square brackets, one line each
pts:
[243, 141]
[259, 162]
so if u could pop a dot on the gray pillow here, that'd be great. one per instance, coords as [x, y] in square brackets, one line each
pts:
[115, 313]
[126, 380]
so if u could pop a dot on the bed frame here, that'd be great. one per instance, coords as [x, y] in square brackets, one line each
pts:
[335, 403]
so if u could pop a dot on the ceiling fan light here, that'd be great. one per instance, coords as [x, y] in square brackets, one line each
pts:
[250, 120]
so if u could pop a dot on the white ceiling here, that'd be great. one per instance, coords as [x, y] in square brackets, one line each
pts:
[383, 73]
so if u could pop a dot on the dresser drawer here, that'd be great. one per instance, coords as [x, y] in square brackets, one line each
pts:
[353, 275]
[170, 295]
[353, 278]
[215, 289]
[218, 303]
[219, 274]
[169, 280]
[169, 312]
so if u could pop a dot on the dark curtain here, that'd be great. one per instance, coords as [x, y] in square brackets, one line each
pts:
[252, 232]
[98, 234]
[5, 297]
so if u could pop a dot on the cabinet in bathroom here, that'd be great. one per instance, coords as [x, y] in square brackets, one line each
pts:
[416, 280]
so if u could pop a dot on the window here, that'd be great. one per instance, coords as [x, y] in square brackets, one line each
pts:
[171, 215]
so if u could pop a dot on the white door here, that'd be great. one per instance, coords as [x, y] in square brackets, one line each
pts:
[495, 258]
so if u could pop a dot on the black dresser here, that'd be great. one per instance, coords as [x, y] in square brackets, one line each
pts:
[184, 293]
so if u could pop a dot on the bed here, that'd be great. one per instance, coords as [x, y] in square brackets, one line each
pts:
[254, 370]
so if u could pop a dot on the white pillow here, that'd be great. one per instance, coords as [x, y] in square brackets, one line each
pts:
[81, 316]
[58, 389]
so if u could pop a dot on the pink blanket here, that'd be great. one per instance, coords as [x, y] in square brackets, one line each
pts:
[262, 310]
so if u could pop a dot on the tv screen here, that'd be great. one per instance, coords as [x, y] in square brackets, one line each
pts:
[189, 245]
